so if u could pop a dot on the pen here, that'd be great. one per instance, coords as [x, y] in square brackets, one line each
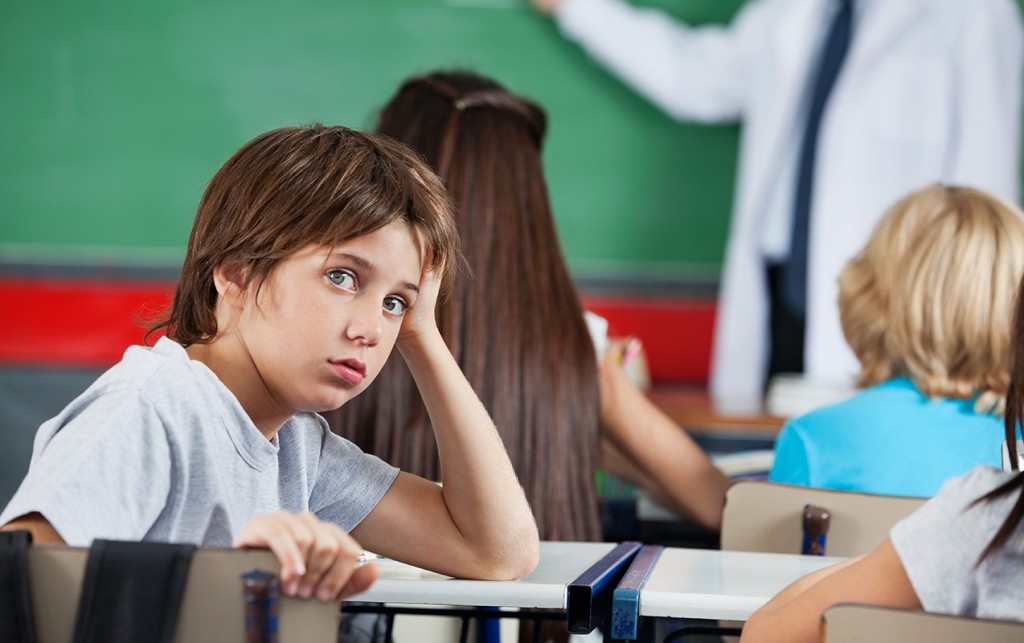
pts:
[629, 350]
[367, 557]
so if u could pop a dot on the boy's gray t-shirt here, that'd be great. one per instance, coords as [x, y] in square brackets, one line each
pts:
[939, 545]
[159, 449]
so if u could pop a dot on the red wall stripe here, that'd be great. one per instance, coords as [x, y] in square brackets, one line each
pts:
[64, 323]
[676, 333]
[49, 322]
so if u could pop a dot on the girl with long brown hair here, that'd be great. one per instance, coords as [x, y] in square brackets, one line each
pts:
[516, 326]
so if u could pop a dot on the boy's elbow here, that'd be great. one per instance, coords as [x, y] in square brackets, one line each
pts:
[517, 557]
[521, 558]
[529, 556]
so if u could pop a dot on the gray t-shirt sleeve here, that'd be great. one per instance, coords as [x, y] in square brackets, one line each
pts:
[349, 483]
[102, 472]
[939, 544]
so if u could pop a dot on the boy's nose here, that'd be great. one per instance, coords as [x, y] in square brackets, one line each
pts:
[367, 327]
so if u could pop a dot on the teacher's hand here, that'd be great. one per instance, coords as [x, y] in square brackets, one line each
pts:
[548, 7]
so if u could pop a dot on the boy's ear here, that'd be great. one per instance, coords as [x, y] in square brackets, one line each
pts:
[229, 279]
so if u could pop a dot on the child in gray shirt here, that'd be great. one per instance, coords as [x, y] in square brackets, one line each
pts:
[940, 546]
[315, 251]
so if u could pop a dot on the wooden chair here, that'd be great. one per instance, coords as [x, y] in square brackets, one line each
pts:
[767, 517]
[856, 623]
[212, 608]
[762, 516]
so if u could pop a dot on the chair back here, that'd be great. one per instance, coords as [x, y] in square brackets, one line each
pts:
[212, 607]
[768, 517]
[856, 623]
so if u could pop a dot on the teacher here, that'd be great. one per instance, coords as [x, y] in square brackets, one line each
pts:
[846, 105]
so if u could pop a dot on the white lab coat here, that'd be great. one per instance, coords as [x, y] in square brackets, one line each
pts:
[930, 91]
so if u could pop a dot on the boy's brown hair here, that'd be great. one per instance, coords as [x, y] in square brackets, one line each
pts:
[296, 186]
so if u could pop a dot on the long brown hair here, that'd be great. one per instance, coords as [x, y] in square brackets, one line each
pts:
[515, 323]
[1012, 418]
[296, 186]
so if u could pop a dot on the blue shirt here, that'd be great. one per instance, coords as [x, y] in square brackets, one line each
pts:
[889, 439]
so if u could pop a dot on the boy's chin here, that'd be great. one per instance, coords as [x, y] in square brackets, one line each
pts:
[335, 402]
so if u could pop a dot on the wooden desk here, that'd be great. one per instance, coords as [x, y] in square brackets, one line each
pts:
[692, 409]
[716, 432]
[705, 584]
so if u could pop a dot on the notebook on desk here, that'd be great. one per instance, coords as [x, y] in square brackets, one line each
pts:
[745, 464]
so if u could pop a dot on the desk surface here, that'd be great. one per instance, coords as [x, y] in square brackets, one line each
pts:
[710, 584]
[560, 564]
[692, 409]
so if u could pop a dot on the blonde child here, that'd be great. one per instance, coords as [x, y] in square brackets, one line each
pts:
[961, 553]
[926, 307]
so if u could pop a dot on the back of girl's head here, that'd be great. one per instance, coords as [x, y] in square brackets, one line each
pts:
[485, 144]
[440, 112]
[296, 186]
[930, 297]
[514, 323]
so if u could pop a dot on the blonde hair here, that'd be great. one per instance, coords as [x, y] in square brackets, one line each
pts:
[931, 295]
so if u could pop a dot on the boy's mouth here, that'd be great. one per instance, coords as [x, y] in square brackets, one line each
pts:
[350, 370]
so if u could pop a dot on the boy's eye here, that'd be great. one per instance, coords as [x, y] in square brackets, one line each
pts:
[342, 279]
[395, 305]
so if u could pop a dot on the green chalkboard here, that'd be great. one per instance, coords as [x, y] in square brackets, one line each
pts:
[115, 113]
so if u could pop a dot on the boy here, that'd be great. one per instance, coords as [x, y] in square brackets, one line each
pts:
[314, 251]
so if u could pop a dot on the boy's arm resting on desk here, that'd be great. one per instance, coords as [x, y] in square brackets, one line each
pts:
[40, 528]
[656, 453]
[794, 615]
[477, 523]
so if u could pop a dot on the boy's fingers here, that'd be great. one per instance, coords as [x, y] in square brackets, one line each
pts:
[295, 536]
[337, 576]
[316, 557]
[360, 580]
[331, 547]
[288, 538]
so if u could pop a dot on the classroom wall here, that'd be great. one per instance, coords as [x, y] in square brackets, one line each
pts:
[116, 113]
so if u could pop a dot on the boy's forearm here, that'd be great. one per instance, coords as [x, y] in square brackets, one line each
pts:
[480, 487]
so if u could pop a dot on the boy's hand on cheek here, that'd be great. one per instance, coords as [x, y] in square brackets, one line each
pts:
[317, 558]
[421, 317]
